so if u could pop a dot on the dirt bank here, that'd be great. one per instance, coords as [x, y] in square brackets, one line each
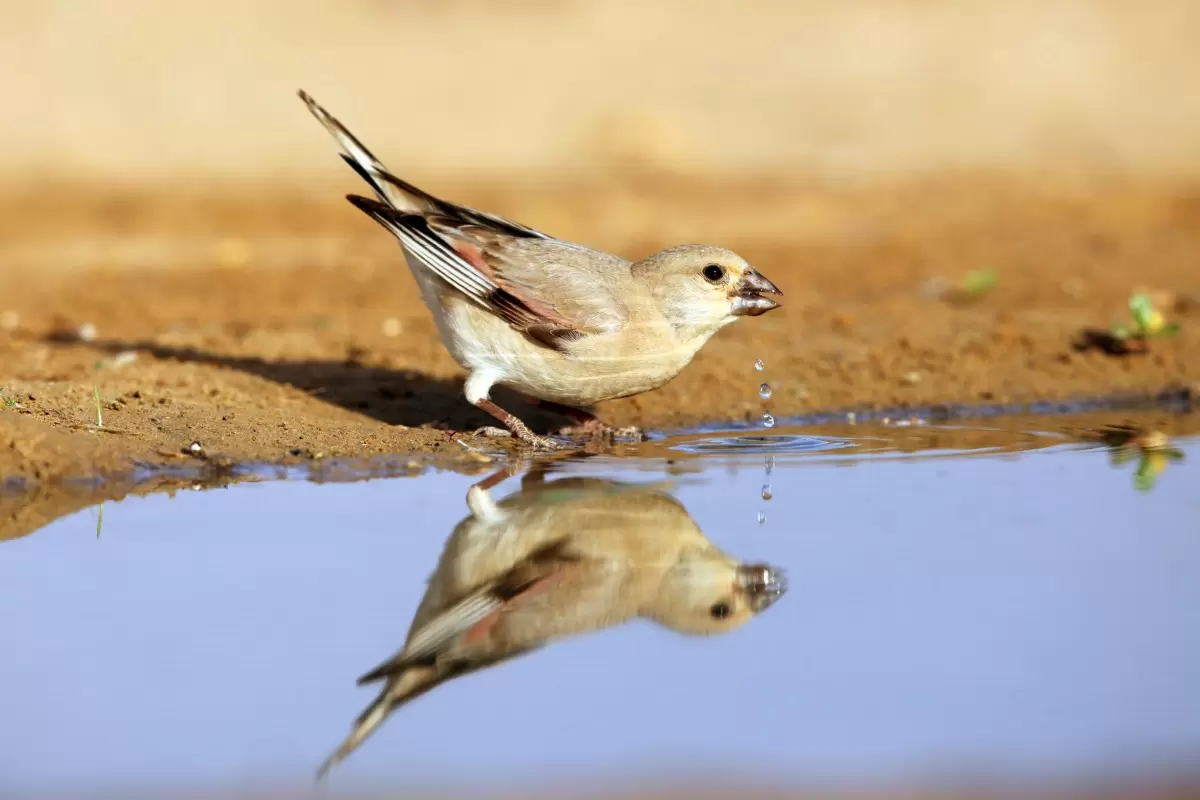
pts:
[278, 325]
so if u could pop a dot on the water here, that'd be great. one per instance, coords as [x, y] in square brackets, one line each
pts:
[967, 603]
[764, 391]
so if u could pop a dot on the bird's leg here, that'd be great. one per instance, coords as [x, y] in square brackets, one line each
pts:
[586, 422]
[518, 428]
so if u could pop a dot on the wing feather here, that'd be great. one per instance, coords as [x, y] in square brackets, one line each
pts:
[553, 291]
[435, 248]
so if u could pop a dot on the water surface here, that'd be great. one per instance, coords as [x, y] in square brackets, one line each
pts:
[1018, 608]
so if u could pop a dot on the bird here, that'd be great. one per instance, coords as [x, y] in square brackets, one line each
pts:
[566, 325]
[558, 559]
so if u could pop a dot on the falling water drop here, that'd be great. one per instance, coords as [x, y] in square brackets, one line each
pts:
[758, 365]
[769, 463]
[768, 420]
[764, 391]
[761, 518]
[766, 492]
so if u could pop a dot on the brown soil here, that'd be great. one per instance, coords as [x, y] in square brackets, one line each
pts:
[280, 326]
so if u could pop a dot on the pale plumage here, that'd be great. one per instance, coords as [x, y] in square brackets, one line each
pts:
[557, 321]
[560, 559]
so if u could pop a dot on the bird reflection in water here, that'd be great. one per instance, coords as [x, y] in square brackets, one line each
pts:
[556, 559]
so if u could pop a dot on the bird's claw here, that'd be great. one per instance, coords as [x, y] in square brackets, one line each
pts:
[492, 432]
[599, 429]
[521, 433]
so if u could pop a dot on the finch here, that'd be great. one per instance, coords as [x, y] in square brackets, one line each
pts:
[564, 324]
[559, 559]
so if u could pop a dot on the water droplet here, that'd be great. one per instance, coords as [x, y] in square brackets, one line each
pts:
[764, 391]
[768, 420]
[766, 492]
[769, 463]
[761, 518]
[758, 365]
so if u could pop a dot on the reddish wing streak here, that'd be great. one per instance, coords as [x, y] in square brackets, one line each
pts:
[549, 317]
[483, 628]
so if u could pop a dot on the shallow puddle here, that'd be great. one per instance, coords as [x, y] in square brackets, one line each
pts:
[892, 606]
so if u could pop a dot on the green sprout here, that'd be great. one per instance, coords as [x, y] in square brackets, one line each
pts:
[99, 416]
[980, 281]
[1147, 321]
[1151, 463]
[10, 402]
[1151, 450]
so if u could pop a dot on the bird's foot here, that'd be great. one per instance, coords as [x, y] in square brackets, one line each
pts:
[630, 432]
[515, 428]
[587, 425]
[492, 432]
[598, 428]
[522, 432]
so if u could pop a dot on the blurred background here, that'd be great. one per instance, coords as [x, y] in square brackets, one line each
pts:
[162, 90]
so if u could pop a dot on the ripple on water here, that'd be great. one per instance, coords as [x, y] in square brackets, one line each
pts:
[840, 442]
[758, 443]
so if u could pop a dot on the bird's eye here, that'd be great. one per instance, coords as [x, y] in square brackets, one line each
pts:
[719, 611]
[714, 272]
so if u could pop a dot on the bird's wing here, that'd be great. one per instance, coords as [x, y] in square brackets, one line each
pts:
[554, 291]
[470, 619]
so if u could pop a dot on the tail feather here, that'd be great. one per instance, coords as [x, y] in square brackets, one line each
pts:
[390, 189]
[400, 194]
[364, 726]
[402, 687]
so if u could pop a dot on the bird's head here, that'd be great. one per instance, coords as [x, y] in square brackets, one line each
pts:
[707, 592]
[701, 288]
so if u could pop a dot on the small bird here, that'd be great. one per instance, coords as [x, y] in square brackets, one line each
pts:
[564, 324]
[558, 559]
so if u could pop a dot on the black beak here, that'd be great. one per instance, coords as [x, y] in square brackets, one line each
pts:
[762, 585]
[749, 300]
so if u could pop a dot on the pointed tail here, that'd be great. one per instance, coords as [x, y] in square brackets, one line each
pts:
[404, 684]
[390, 189]
[363, 727]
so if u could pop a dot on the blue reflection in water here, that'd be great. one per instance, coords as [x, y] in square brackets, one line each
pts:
[1026, 619]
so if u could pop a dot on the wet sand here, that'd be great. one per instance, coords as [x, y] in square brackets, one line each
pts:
[281, 326]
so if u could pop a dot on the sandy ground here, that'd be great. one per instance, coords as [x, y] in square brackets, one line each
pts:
[280, 326]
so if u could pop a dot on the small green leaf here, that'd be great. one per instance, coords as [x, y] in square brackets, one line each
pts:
[1141, 308]
[99, 416]
[1144, 479]
[980, 281]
